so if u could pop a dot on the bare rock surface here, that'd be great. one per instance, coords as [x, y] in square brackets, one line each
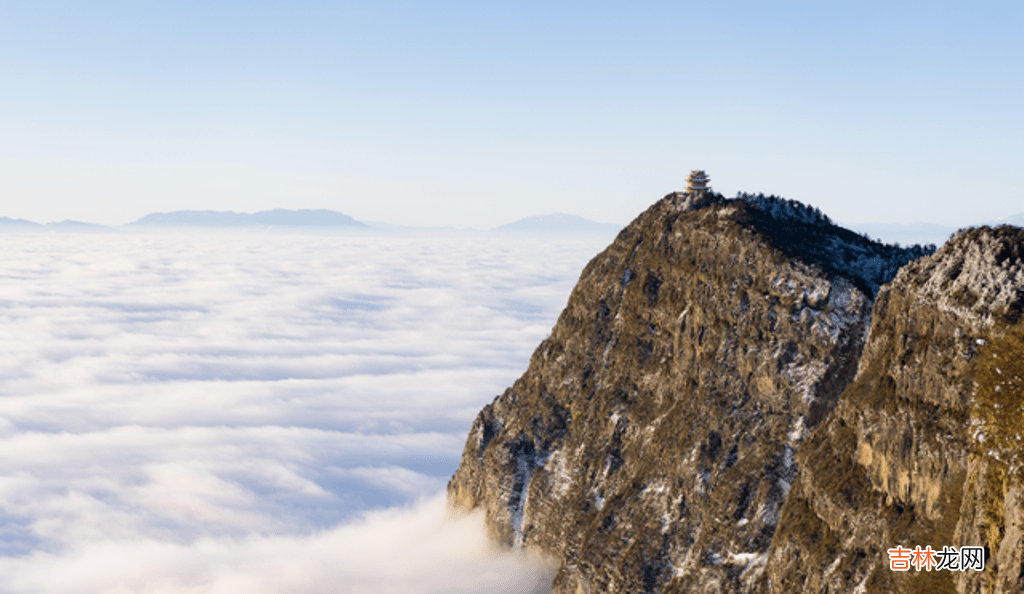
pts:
[903, 459]
[710, 413]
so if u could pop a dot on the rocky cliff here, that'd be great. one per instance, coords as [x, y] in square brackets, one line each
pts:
[913, 453]
[734, 399]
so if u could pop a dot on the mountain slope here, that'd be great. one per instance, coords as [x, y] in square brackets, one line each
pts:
[650, 444]
[909, 456]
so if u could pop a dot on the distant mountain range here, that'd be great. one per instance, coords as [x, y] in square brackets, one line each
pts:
[923, 233]
[556, 223]
[278, 217]
[906, 234]
[9, 223]
[551, 224]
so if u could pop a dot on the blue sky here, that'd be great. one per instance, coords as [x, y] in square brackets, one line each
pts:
[480, 113]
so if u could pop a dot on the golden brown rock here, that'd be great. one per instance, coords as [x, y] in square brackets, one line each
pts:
[658, 441]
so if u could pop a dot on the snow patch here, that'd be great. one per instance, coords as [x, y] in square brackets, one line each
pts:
[785, 484]
[862, 587]
[558, 468]
[519, 505]
[702, 482]
[744, 558]
[795, 436]
[804, 378]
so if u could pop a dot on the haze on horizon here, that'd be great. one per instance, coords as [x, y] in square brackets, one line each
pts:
[454, 113]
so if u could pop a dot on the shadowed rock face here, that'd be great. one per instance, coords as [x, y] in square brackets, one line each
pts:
[656, 442]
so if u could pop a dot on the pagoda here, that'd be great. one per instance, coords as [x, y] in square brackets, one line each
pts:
[697, 182]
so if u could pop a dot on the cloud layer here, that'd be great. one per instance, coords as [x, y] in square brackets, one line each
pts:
[185, 412]
[414, 550]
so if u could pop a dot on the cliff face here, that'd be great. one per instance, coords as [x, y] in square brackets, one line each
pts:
[655, 440]
[921, 448]
[725, 405]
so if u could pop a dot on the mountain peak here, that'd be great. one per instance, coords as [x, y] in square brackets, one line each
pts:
[741, 395]
[556, 223]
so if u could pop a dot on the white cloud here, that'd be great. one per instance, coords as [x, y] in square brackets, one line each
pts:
[397, 479]
[217, 413]
[415, 549]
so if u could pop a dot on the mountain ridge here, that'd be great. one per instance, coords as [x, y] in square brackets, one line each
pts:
[656, 441]
[277, 217]
[552, 224]
[925, 233]
[557, 223]
[907, 234]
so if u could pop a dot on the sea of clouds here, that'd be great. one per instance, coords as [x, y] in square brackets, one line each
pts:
[259, 412]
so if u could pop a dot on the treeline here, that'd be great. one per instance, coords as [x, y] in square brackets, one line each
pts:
[794, 210]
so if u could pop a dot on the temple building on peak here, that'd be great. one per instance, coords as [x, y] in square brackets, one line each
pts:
[698, 181]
